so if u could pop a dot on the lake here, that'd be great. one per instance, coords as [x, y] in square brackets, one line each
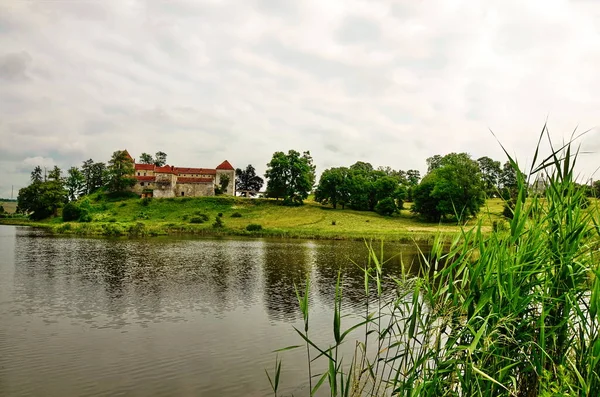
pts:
[166, 316]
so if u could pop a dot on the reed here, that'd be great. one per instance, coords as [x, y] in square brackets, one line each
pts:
[512, 313]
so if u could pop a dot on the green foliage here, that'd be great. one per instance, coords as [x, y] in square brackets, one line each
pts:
[146, 201]
[42, 199]
[71, 212]
[386, 207]
[452, 188]
[2, 209]
[254, 227]
[290, 176]
[120, 172]
[94, 175]
[490, 174]
[248, 181]
[74, 183]
[333, 187]
[218, 223]
[224, 183]
[160, 159]
[236, 215]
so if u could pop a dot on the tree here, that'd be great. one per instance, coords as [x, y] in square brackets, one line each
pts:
[42, 199]
[413, 176]
[94, 175]
[433, 162]
[146, 158]
[490, 174]
[290, 176]
[74, 183]
[36, 174]
[333, 187]
[452, 188]
[120, 172]
[223, 183]
[160, 159]
[247, 181]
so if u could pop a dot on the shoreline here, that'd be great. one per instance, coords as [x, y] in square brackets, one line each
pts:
[144, 230]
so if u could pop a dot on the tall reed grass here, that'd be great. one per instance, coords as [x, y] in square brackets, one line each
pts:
[512, 313]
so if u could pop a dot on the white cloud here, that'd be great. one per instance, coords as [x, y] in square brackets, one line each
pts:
[382, 81]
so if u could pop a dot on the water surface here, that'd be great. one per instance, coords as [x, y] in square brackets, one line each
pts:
[164, 316]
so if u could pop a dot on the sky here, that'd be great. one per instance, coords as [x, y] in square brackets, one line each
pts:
[387, 82]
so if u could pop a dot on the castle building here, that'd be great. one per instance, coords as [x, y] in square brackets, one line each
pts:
[170, 181]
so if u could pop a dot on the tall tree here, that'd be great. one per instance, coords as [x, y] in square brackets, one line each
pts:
[490, 174]
[290, 176]
[160, 159]
[75, 183]
[120, 172]
[413, 176]
[434, 162]
[146, 158]
[36, 174]
[247, 181]
[333, 187]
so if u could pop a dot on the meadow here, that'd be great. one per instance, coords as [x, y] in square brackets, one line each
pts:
[133, 216]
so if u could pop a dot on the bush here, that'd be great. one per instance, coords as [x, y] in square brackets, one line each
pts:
[146, 201]
[254, 227]
[85, 216]
[218, 223]
[201, 215]
[220, 214]
[509, 207]
[139, 229]
[2, 209]
[236, 215]
[197, 219]
[386, 207]
[71, 212]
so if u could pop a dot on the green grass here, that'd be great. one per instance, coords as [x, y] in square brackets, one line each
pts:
[312, 220]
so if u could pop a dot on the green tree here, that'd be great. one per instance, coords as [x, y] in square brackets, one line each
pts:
[433, 162]
[120, 172]
[146, 158]
[386, 207]
[413, 176]
[94, 175]
[36, 175]
[490, 174]
[333, 187]
[224, 182]
[42, 199]
[160, 159]
[454, 188]
[75, 183]
[247, 180]
[290, 176]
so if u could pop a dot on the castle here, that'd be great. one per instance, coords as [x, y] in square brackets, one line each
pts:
[170, 181]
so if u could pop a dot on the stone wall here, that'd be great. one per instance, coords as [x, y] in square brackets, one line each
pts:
[194, 189]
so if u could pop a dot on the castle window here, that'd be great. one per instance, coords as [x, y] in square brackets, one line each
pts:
[182, 194]
[142, 183]
[144, 174]
[138, 174]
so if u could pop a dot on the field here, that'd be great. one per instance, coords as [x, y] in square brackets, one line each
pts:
[9, 206]
[312, 220]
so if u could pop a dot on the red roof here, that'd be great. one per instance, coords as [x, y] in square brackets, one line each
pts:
[167, 169]
[142, 178]
[201, 171]
[225, 165]
[194, 180]
[145, 167]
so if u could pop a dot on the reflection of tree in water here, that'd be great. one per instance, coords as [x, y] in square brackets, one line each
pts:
[284, 265]
[351, 259]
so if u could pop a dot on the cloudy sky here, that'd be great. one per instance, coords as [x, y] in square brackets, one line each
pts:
[389, 82]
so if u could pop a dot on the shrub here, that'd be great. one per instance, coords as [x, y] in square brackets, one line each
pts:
[333, 223]
[509, 207]
[146, 201]
[220, 214]
[122, 204]
[236, 215]
[218, 223]
[71, 212]
[85, 216]
[197, 219]
[2, 209]
[254, 227]
[200, 214]
[139, 229]
[386, 207]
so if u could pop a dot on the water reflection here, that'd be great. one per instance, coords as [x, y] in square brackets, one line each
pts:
[162, 316]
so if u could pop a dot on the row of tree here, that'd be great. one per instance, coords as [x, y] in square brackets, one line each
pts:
[48, 192]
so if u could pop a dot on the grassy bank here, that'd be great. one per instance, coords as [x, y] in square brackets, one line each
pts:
[132, 216]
